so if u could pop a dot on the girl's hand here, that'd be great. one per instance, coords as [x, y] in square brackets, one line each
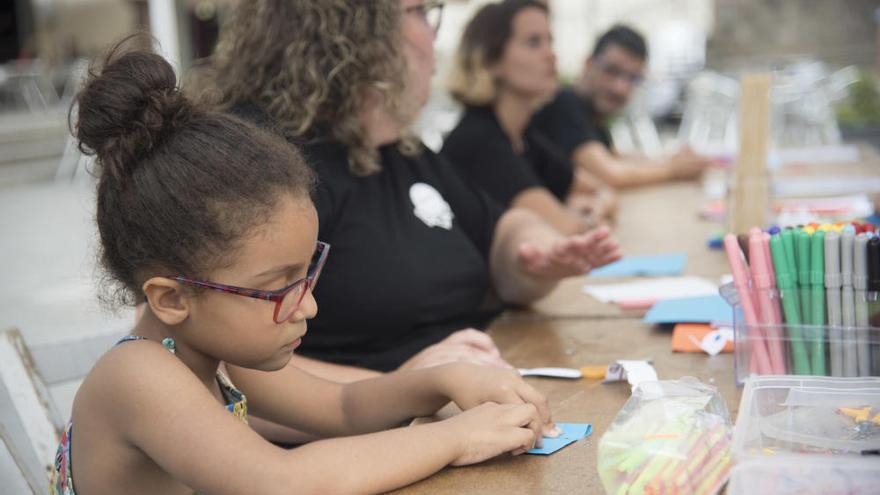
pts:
[490, 429]
[470, 386]
[575, 255]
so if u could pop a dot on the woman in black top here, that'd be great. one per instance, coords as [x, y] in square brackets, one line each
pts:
[417, 253]
[505, 70]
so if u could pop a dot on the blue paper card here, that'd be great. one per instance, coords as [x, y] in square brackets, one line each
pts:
[571, 432]
[701, 309]
[655, 265]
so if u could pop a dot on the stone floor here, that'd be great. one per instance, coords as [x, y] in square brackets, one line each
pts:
[48, 268]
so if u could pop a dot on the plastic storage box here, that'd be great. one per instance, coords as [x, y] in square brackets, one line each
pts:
[845, 344]
[805, 475]
[807, 435]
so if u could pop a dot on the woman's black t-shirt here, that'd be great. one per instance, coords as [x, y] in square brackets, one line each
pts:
[569, 121]
[409, 257]
[483, 154]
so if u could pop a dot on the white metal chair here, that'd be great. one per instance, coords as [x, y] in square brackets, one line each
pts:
[30, 420]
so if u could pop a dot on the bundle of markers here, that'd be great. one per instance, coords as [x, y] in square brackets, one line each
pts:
[673, 440]
[809, 298]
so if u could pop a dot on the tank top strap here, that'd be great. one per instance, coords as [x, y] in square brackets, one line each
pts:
[130, 338]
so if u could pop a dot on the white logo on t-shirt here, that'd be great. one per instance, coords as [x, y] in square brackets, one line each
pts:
[430, 207]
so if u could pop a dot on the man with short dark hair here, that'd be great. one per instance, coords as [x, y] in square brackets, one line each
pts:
[577, 119]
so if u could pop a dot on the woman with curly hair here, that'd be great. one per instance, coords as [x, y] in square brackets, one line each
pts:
[418, 255]
[505, 70]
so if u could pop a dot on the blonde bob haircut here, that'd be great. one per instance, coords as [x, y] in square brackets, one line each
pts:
[309, 64]
[482, 46]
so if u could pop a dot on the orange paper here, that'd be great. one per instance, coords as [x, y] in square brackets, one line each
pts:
[682, 341]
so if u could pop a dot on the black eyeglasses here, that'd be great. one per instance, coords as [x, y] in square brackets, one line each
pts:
[430, 12]
[613, 71]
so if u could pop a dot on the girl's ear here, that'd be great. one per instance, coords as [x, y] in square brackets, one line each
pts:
[167, 300]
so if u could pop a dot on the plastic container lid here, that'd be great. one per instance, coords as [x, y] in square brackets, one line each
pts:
[789, 414]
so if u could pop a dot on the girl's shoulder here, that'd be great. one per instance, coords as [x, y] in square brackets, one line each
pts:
[127, 375]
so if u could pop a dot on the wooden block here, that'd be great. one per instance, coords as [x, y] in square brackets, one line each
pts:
[749, 196]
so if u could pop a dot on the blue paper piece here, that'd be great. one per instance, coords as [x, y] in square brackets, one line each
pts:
[571, 432]
[701, 309]
[655, 265]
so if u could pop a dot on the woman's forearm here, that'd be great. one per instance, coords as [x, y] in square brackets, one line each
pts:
[513, 283]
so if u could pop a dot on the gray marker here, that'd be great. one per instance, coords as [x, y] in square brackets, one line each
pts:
[860, 284]
[832, 295]
[856, 352]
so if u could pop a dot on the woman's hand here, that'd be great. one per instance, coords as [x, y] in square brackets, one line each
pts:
[469, 345]
[574, 255]
[470, 385]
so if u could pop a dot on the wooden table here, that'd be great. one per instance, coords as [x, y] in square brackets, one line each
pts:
[570, 329]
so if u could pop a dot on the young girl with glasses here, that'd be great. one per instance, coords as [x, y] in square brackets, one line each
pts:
[208, 221]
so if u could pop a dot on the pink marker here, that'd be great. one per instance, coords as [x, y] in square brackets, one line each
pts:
[760, 362]
[767, 309]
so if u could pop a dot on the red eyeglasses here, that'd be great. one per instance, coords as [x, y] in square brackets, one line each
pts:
[287, 300]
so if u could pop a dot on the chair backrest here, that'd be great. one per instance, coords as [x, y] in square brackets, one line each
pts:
[30, 420]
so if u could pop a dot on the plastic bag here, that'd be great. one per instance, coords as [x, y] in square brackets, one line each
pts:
[670, 437]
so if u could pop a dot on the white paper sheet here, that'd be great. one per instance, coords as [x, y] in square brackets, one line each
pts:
[653, 289]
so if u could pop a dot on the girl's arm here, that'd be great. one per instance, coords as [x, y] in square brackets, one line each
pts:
[528, 257]
[156, 407]
[331, 371]
[382, 402]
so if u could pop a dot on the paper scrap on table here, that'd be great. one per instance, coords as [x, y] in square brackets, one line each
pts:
[653, 265]
[793, 211]
[693, 337]
[652, 289]
[633, 371]
[703, 309]
[571, 432]
[823, 154]
[831, 154]
[824, 186]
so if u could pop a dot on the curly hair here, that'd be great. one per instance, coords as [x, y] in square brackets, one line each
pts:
[309, 64]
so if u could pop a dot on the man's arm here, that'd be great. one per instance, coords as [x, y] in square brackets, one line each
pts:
[623, 172]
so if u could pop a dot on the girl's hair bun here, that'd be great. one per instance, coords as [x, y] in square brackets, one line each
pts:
[126, 108]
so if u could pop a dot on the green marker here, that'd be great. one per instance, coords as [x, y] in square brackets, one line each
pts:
[817, 304]
[802, 262]
[787, 284]
[787, 236]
